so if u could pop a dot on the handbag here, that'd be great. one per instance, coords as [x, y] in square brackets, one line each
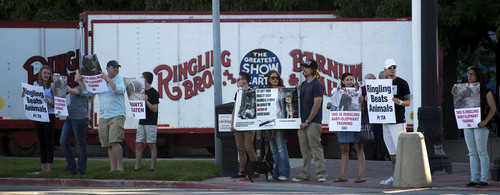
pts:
[365, 136]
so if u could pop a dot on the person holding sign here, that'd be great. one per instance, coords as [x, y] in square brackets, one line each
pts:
[147, 128]
[45, 130]
[477, 138]
[311, 103]
[76, 125]
[112, 115]
[401, 99]
[244, 139]
[277, 139]
[345, 138]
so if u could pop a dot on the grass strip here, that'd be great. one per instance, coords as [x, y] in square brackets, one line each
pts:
[170, 170]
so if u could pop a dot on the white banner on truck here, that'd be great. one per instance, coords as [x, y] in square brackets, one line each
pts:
[262, 109]
[35, 106]
[467, 102]
[380, 104]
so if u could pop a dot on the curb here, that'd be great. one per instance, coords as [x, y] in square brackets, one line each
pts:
[108, 183]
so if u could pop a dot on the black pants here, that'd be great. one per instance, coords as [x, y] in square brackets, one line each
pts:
[45, 134]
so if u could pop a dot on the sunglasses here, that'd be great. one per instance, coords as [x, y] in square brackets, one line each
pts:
[239, 79]
[273, 78]
[392, 68]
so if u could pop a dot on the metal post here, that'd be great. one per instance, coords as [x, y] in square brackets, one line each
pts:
[430, 115]
[217, 75]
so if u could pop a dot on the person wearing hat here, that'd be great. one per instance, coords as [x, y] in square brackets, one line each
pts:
[401, 99]
[311, 103]
[112, 115]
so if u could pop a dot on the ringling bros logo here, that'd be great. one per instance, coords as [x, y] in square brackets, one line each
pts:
[65, 64]
[330, 70]
[257, 62]
[197, 67]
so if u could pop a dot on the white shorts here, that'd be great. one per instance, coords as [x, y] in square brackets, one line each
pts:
[146, 131]
[391, 135]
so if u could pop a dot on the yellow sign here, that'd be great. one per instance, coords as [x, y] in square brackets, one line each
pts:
[2, 103]
[411, 115]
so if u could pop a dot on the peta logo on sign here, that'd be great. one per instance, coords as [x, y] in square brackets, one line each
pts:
[258, 63]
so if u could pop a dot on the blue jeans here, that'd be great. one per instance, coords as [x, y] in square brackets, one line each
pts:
[476, 140]
[76, 127]
[280, 154]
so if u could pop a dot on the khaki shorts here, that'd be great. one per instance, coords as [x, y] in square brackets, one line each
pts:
[146, 134]
[111, 130]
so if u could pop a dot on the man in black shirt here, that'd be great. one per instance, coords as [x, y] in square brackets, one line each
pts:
[147, 128]
[401, 99]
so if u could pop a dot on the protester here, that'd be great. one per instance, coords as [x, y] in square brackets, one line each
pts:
[76, 125]
[477, 138]
[244, 139]
[345, 138]
[311, 103]
[112, 115]
[45, 130]
[277, 139]
[401, 99]
[147, 129]
[376, 150]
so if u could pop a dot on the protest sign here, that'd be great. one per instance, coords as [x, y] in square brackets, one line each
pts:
[380, 105]
[60, 83]
[466, 100]
[91, 73]
[262, 109]
[345, 114]
[35, 107]
[135, 92]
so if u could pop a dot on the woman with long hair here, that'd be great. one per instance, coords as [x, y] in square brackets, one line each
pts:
[45, 130]
[345, 138]
[277, 138]
[477, 138]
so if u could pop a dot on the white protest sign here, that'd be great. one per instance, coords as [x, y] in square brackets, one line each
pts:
[35, 107]
[346, 110]
[262, 109]
[380, 105]
[135, 92]
[225, 122]
[95, 83]
[60, 83]
[467, 103]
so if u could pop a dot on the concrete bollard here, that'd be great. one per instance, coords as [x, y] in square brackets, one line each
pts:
[412, 166]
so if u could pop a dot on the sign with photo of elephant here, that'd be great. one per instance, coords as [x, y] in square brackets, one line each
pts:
[466, 100]
[263, 109]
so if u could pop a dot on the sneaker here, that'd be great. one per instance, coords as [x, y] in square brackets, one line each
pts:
[282, 178]
[471, 184]
[299, 178]
[387, 181]
[322, 178]
[270, 177]
[482, 184]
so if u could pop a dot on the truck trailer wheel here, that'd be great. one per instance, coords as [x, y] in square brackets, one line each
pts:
[16, 150]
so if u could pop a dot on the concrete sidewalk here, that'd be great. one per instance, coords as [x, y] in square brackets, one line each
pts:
[374, 173]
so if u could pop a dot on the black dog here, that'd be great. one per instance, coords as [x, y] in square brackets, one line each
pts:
[264, 167]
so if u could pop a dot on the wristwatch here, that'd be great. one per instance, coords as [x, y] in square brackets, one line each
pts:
[308, 122]
[400, 102]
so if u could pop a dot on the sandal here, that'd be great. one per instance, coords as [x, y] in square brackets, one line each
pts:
[339, 180]
[359, 180]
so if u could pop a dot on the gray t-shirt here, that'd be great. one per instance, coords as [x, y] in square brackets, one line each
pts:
[77, 108]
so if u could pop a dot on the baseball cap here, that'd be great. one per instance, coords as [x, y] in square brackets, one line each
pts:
[113, 63]
[310, 64]
[388, 63]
